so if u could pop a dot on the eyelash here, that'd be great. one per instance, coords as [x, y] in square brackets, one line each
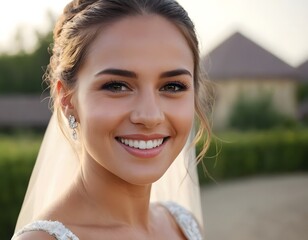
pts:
[109, 86]
[176, 85]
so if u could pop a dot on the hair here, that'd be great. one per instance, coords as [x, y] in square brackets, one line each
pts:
[82, 20]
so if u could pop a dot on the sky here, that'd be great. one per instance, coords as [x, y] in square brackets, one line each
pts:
[280, 26]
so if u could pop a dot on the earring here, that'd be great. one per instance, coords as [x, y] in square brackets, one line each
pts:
[73, 125]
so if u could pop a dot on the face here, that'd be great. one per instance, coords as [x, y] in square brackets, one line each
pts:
[135, 98]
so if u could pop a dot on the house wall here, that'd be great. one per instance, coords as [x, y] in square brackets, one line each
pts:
[24, 111]
[283, 92]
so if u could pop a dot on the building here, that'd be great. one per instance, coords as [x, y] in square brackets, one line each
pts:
[240, 67]
[302, 71]
[24, 111]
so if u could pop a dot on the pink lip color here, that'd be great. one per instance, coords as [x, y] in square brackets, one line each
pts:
[143, 153]
[143, 137]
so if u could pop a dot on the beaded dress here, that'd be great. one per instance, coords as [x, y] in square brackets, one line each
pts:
[184, 219]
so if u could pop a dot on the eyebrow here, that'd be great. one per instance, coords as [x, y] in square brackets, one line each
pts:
[130, 74]
[175, 73]
[118, 72]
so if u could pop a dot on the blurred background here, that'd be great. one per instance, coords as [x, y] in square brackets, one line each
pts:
[256, 55]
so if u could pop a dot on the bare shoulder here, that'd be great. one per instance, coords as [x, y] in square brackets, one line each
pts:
[38, 235]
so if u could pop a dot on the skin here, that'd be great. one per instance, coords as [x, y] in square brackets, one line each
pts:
[151, 97]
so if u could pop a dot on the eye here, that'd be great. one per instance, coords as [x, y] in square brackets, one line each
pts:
[174, 87]
[116, 86]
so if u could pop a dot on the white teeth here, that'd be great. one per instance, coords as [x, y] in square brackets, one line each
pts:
[136, 144]
[141, 144]
[149, 144]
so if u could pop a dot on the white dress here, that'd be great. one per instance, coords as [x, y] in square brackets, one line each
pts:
[184, 219]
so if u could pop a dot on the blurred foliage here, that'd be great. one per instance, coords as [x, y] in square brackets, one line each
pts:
[240, 154]
[22, 72]
[232, 155]
[302, 92]
[17, 156]
[257, 113]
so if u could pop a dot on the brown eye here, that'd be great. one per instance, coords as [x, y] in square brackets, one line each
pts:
[116, 86]
[174, 87]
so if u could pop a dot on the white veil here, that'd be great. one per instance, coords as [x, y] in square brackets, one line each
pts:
[57, 163]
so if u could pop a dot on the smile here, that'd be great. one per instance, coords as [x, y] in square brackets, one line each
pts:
[142, 144]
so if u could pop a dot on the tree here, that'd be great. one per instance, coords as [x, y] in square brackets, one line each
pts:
[257, 113]
[22, 72]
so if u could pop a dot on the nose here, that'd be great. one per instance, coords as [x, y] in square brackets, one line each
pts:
[147, 111]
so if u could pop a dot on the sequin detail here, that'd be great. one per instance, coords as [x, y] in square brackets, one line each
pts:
[185, 220]
[53, 228]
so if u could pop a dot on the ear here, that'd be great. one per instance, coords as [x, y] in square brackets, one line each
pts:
[65, 99]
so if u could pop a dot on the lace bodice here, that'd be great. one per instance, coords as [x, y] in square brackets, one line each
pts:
[184, 219]
[53, 228]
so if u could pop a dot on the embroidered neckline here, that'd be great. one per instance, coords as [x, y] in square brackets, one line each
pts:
[53, 228]
[183, 217]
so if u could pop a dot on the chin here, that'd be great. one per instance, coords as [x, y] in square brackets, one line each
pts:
[141, 181]
[144, 179]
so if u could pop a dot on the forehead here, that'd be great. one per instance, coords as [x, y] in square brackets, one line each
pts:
[139, 40]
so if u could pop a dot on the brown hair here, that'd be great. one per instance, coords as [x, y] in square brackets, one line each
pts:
[79, 24]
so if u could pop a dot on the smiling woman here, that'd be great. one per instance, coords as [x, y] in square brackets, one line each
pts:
[120, 70]
[138, 97]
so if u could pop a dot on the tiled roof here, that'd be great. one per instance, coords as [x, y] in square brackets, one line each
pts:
[303, 71]
[240, 57]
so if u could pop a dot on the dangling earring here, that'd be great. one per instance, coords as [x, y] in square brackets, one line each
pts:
[73, 124]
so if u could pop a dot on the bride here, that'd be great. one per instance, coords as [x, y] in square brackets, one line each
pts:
[126, 88]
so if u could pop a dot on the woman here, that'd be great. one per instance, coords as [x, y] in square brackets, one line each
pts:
[125, 75]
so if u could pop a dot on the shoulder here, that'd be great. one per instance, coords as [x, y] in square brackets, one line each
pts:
[185, 219]
[44, 230]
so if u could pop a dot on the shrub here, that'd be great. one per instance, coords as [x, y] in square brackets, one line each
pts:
[244, 154]
[253, 153]
[17, 156]
[257, 113]
[302, 92]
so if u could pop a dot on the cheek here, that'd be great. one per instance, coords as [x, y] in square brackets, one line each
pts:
[99, 122]
[181, 115]
[101, 117]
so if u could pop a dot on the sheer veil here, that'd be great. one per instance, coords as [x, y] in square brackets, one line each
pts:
[57, 163]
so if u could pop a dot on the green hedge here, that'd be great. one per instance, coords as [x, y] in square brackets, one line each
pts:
[234, 155]
[17, 156]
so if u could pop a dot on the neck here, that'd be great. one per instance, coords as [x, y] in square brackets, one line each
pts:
[110, 198]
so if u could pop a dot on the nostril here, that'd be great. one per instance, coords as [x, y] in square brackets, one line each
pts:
[149, 118]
